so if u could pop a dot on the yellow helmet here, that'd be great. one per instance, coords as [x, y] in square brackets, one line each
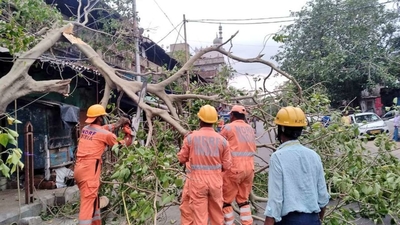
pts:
[95, 111]
[208, 114]
[291, 117]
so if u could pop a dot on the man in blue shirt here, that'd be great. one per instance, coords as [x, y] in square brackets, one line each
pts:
[297, 192]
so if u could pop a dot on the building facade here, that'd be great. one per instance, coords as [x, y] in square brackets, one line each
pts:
[210, 64]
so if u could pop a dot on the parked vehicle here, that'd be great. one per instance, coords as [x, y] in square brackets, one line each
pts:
[369, 124]
[389, 115]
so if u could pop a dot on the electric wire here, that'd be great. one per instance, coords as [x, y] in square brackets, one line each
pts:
[249, 19]
[163, 37]
[246, 23]
[30, 103]
[228, 21]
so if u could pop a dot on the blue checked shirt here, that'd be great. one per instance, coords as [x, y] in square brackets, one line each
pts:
[296, 181]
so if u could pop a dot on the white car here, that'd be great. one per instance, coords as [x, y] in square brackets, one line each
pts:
[369, 124]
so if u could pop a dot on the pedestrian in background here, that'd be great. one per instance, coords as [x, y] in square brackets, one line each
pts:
[396, 124]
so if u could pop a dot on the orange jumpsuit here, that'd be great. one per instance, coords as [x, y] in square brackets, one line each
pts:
[238, 181]
[92, 143]
[208, 154]
[186, 212]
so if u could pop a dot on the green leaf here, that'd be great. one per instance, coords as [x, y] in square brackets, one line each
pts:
[21, 165]
[167, 199]
[115, 149]
[13, 168]
[179, 182]
[12, 121]
[4, 139]
[115, 175]
[13, 133]
[12, 140]
[15, 158]
[377, 189]
[5, 170]
[356, 194]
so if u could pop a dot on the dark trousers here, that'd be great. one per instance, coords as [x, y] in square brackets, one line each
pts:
[297, 218]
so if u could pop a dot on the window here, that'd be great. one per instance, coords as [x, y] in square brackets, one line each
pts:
[368, 118]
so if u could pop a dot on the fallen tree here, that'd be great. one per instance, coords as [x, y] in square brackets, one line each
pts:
[145, 180]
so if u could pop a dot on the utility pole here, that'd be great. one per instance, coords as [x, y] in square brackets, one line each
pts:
[186, 53]
[136, 40]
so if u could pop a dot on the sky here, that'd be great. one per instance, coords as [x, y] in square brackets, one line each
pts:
[159, 17]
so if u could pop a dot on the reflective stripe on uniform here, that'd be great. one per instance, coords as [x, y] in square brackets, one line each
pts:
[245, 218]
[96, 218]
[206, 167]
[238, 154]
[228, 215]
[96, 129]
[245, 215]
[84, 222]
[229, 222]
[189, 139]
[245, 209]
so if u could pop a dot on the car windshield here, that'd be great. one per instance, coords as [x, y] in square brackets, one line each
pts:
[368, 118]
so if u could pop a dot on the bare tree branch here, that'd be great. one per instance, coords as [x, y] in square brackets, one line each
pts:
[15, 81]
[190, 62]
[150, 133]
[106, 96]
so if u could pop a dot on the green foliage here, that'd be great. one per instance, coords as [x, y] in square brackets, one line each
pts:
[8, 137]
[148, 178]
[342, 44]
[357, 174]
[20, 20]
[362, 176]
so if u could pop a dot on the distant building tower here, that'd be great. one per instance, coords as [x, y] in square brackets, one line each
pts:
[209, 65]
[218, 40]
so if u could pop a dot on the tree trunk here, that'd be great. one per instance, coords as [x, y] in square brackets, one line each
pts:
[17, 83]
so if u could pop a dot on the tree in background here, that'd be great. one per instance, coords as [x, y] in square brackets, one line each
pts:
[343, 44]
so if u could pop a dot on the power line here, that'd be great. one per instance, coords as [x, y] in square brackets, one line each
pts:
[237, 21]
[165, 14]
[246, 23]
[163, 37]
[25, 105]
[247, 19]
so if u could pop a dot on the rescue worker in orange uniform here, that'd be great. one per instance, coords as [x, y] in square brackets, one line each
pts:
[93, 141]
[238, 181]
[207, 153]
[186, 212]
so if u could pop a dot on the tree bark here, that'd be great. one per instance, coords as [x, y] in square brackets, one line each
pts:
[17, 82]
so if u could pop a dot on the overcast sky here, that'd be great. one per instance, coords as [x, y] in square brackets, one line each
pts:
[249, 41]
